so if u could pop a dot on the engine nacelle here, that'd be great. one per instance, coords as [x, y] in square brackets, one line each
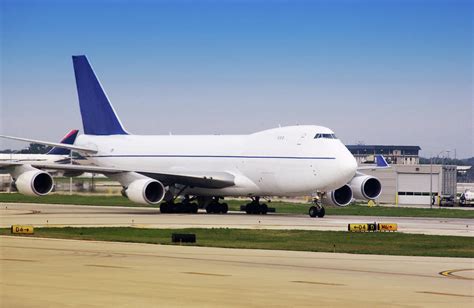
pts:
[145, 191]
[366, 187]
[339, 197]
[34, 183]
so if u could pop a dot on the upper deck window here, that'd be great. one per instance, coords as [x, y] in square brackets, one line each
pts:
[326, 136]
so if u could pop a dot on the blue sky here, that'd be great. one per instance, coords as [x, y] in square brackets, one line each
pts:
[389, 72]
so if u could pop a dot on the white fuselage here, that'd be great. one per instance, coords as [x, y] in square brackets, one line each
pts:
[285, 161]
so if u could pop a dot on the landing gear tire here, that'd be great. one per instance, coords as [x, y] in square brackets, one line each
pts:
[322, 212]
[224, 208]
[166, 207]
[180, 207]
[317, 212]
[255, 207]
[249, 208]
[217, 208]
[191, 208]
[210, 209]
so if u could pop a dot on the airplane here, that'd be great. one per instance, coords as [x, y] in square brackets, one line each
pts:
[55, 155]
[203, 169]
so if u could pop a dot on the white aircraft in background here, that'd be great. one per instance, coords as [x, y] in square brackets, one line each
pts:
[286, 161]
[55, 155]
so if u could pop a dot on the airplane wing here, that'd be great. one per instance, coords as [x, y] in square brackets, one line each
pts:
[194, 179]
[208, 180]
[380, 163]
[55, 144]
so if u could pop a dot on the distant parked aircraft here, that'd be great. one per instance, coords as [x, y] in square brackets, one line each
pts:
[55, 155]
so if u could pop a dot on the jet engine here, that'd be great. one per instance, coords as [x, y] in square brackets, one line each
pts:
[145, 191]
[365, 187]
[34, 183]
[339, 197]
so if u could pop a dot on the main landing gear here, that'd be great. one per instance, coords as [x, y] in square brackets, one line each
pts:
[185, 206]
[255, 207]
[214, 207]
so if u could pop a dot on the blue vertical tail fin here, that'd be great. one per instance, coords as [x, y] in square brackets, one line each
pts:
[381, 162]
[68, 139]
[98, 114]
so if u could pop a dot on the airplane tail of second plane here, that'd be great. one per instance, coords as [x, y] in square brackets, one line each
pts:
[381, 162]
[98, 114]
[68, 139]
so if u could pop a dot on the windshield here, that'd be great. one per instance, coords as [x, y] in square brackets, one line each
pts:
[326, 136]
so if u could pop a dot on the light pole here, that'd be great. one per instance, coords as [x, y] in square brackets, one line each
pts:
[70, 178]
[431, 181]
[431, 177]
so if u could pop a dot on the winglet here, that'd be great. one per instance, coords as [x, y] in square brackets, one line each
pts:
[381, 162]
[68, 139]
[98, 114]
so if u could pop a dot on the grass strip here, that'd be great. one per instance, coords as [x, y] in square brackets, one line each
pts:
[297, 240]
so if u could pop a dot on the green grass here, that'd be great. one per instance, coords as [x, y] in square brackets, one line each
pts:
[234, 205]
[323, 241]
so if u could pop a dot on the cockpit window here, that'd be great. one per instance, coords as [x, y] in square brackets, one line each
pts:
[326, 136]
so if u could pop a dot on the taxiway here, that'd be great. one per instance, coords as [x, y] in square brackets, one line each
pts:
[49, 215]
[57, 273]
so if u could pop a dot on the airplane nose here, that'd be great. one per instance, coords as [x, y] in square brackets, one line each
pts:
[352, 164]
[347, 165]
[344, 167]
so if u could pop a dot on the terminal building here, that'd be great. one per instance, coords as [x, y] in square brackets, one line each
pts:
[407, 182]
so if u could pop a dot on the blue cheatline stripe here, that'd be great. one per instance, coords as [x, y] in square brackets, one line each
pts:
[213, 156]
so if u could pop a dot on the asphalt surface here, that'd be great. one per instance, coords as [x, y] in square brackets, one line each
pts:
[38, 272]
[48, 215]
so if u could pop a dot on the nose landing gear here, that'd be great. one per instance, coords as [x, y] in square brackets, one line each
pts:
[317, 210]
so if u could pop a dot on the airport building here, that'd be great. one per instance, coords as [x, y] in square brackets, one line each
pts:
[412, 184]
[407, 182]
[394, 154]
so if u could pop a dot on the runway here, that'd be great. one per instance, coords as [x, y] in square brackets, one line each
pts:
[43, 215]
[57, 273]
